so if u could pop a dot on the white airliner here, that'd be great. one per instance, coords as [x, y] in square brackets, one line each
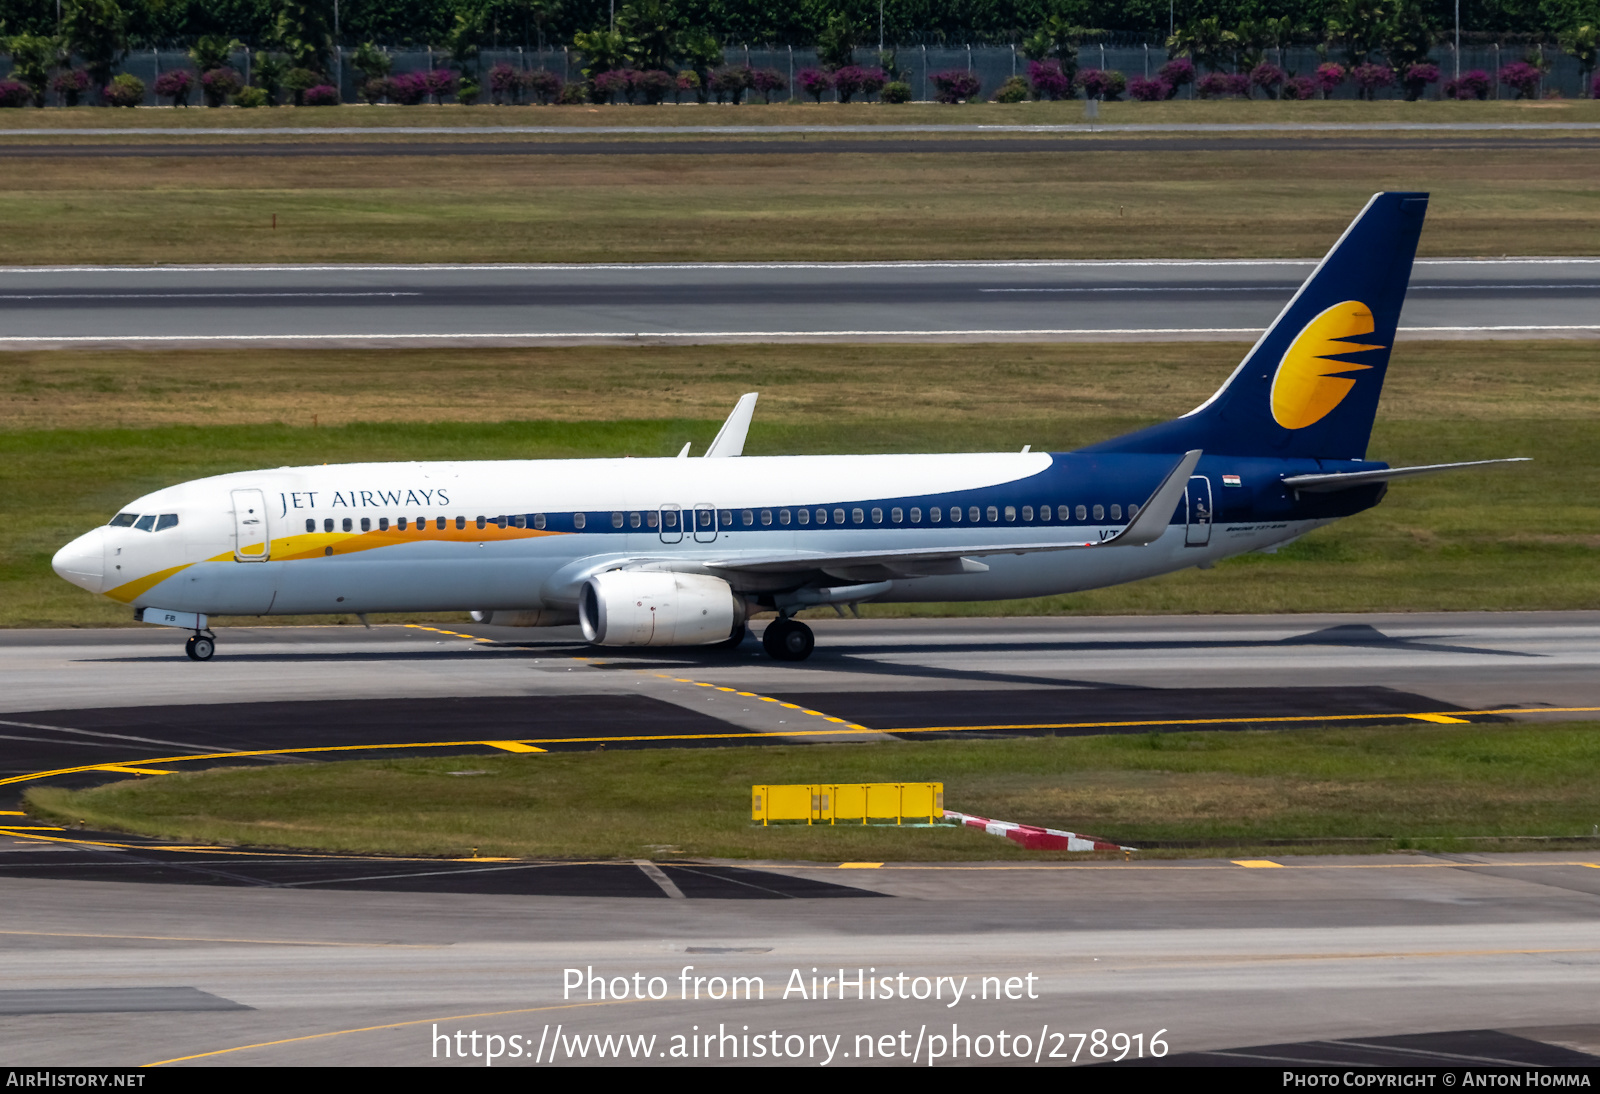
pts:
[682, 552]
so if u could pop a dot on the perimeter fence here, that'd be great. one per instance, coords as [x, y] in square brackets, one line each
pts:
[916, 65]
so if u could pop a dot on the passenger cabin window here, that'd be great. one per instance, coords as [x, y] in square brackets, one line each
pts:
[439, 523]
[482, 522]
[1099, 512]
[383, 524]
[401, 525]
[955, 512]
[747, 517]
[146, 522]
[1133, 511]
[461, 523]
[822, 516]
[897, 515]
[994, 514]
[422, 524]
[1116, 512]
[578, 520]
[838, 516]
[935, 514]
[783, 517]
[311, 524]
[1027, 512]
[727, 518]
[877, 516]
[857, 516]
[348, 526]
[124, 520]
[705, 518]
[538, 521]
[521, 521]
[1083, 512]
[634, 520]
[366, 524]
[669, 519]
[972, 513]
[766, 517]
[916, 516]
[805, 516]
[1064, 512]
[327, 524]
[616, 520]
[652, 518]
[1044, 512]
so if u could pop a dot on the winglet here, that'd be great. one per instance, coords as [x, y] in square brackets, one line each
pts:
[730, 438]
[1156, 513]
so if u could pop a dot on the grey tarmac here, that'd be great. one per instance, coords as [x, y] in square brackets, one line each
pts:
[678, 303]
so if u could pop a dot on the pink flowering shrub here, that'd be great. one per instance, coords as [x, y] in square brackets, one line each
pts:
[957, 85]
[1416, 79]
[1522, 78]
[1471, 85]
[321, 95]
[1370, 79]
[175, 85]
[218, 84]
[767, 81]
[1175, 73]
[439, 83]
[1048, 81]
[609, 86]
[1148, 91]
[1330, 77]
[1102, 84]
[814, 82]
[544, 85]
[69, 85]
[654, 85]
[1268, 77]
[1299, 87]
[15, 93]
[505, 85]
[408, 89]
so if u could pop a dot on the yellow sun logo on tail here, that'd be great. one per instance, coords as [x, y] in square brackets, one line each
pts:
[1308, 384]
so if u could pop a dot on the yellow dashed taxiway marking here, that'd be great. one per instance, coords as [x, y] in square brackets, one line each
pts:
[1258, 863]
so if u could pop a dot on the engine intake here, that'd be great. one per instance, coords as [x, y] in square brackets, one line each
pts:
[646, 608]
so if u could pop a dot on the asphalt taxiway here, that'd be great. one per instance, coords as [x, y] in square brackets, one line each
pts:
[122, 950]
[386, 305]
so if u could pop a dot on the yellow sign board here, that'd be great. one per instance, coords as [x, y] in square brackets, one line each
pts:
[847, 803]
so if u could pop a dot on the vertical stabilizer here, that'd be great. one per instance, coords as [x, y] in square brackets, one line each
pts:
[1309, 387]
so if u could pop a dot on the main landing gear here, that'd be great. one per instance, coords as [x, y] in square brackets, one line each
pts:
[200, 647]
[788, 640]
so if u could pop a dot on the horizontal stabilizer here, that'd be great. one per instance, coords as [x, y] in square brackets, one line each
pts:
[1327, 484]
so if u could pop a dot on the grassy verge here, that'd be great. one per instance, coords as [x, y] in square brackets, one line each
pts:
[1044, 113]
[1069, 204]
[1374, 788]
[1521, 537]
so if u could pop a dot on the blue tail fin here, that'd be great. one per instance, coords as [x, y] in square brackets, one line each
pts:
[1309, 387]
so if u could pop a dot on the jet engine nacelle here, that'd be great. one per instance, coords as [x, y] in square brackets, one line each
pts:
[647, 608]
[539, 617]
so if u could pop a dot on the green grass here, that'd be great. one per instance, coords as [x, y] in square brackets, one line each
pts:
[936, 205]
[1371, 788]
[1520, 537]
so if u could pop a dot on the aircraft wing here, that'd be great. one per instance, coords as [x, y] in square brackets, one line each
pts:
[1152, 520]
[1326, 484]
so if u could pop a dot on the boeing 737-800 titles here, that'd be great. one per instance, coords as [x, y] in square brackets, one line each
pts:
[681, 552]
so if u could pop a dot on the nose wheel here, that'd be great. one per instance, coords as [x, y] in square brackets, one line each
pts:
[200, 647]
[788, 640]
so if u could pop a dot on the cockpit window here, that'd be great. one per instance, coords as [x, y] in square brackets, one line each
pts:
[146, 522]
[124, 520]
[166, 520]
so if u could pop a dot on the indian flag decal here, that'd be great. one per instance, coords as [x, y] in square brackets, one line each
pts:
[1230, 480]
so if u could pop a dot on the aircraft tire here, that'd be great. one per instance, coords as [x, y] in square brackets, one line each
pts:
[200, 648]
[788, 640]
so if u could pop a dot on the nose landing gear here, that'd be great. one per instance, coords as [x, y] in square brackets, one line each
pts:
[788, 640]
[200, 647]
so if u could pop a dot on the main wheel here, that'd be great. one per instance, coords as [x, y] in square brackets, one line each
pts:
[788, 640]
[188, 649]
[200, 648]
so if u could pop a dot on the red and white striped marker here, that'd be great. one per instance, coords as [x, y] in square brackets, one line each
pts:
[1037, 839]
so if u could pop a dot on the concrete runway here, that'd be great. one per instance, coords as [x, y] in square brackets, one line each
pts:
[1435, 960]
[708, 302]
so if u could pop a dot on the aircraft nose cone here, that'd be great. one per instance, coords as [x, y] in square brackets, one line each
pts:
[83, 561]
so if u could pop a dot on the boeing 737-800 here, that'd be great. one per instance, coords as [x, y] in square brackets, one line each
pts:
[681, 552]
